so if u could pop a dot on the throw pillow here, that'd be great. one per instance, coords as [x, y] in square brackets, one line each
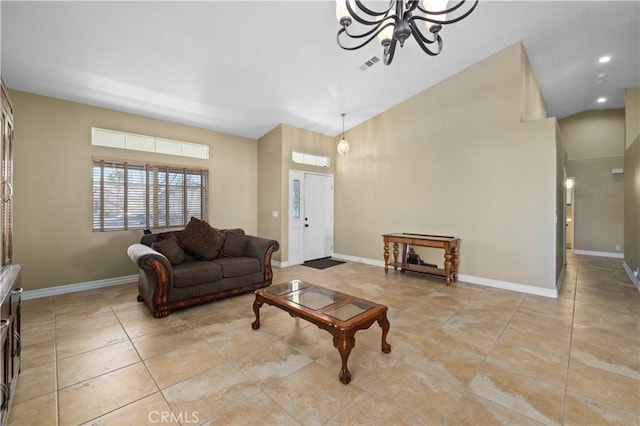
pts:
[235, 243]
[171, 250]
[201, 240]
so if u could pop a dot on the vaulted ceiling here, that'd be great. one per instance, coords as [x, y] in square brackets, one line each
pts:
[243, 67]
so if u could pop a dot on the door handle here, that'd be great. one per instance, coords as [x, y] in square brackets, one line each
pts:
[306, 225]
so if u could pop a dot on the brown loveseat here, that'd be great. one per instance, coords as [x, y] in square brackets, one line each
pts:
[199, 264]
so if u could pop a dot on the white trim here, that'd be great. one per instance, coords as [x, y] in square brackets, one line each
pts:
[279, 264]
[635, 280]
[596, 157]
[487, 282]
[599, 253]
[372, 262]
[521, 288]
[72, 288]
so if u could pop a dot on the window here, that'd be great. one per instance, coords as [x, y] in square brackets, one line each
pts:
[310, 159]
[122, 140]
[129, 195]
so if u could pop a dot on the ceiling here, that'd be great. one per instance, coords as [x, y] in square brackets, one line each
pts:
[243, 67]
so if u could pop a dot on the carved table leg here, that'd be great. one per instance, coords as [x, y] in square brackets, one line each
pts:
[344, 342]
[384, 324]
[447, 266]
[456, 261]
[386, 256]
[395, 256]
[256, 309]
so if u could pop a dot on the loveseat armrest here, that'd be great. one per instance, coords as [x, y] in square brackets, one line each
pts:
[141, 254]
[262, 249]
[156, 278]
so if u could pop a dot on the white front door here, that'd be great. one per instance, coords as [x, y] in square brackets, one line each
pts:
[310, 216]
[318, 216]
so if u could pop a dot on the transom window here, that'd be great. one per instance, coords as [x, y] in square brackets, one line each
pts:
[130, 195]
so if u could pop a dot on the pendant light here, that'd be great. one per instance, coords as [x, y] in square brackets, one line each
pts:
[343, 145]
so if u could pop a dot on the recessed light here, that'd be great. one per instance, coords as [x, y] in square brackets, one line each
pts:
[602, 75]
[599, 81]
[601, 100]
[604, 59]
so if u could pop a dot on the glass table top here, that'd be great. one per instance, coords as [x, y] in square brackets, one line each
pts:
[315, 298]
[288, 288]
[350, 310]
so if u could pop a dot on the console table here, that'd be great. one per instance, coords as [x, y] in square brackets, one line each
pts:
[450, 245]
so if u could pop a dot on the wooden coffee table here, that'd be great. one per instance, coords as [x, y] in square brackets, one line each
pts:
[338, 313]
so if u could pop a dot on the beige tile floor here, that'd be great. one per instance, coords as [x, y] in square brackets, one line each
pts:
[461, 355]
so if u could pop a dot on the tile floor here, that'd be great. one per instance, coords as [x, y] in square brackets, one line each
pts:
[461, 355]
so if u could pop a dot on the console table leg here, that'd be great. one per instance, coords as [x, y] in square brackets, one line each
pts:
[447, 267]
[386, 257]
[256, 309]
[456, 261]
[344, 342]
[395, 256]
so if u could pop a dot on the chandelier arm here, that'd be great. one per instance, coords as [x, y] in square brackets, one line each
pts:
[357, 36]
[368, 11]
[420, 40]
[375, 30]
[356, 15]
[389, 52]
[444, 12]
[412, 4]
[420, 36]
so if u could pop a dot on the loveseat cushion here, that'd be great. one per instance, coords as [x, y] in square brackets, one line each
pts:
[237, 266]
[196, 272]
[235, 243]
[201, 240]
[170, 249]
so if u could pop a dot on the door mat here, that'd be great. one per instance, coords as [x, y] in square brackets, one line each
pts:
[323, 263]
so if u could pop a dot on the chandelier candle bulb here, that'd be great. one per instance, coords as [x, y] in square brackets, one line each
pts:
[435, 6]
[385, 36]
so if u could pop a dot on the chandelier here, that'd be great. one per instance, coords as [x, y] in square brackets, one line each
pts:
[343, 145]
[397, 22]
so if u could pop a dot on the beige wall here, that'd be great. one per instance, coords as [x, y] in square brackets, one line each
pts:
[594, 134]
[632, 180]
[533, 106]
[275, 153]
[52, 158]
[595, 145]
[598, 204]
[456, 159]
[632, 115]
[270, 187]
[300, 140]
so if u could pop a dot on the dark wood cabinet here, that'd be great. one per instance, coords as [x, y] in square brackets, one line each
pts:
[10, 275]
[10, 306]
[6, 178]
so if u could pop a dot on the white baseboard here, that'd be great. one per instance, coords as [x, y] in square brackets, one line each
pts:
[635, 280]
[279, 264]
[72, 288]
[599, 253]
[506, 285]
[372, 262]
[487, 282]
